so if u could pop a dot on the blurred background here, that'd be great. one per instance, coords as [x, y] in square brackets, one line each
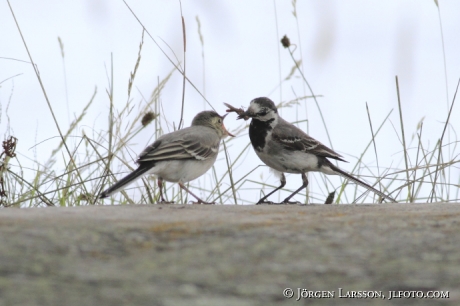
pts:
[349, 52]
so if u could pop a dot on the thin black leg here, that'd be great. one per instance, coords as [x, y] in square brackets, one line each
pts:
[283, 183]
[304, 185]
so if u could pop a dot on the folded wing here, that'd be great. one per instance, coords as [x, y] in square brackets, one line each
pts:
[296, 140]
[161, 150]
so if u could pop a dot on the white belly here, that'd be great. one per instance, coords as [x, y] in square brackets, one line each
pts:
[292, 162]
[181, 171]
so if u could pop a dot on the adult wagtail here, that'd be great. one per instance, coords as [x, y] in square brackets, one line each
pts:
[287, 149]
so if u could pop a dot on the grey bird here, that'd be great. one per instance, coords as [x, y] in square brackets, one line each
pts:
[287, 149]
[180, 156]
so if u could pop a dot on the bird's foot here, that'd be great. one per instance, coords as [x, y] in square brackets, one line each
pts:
[290, 202]
[203, 202]
[268, 202]
[166, 202]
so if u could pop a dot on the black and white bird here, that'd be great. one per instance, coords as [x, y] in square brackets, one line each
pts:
[180, 156]
[287, 149]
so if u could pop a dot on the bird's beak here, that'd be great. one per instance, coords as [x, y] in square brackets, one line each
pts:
[245, 115]
[223, 126]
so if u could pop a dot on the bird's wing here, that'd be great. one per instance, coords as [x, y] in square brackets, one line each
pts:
[182, 144]
[292, 138]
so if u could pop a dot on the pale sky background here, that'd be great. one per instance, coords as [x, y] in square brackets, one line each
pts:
[351, 51]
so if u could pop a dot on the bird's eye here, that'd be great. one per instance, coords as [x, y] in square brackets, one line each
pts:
[262, 113]
[219, 120]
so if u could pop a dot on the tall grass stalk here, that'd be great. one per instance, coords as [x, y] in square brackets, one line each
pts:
[440, 141]
[403, 137]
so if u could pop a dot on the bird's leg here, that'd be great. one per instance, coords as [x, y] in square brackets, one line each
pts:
[160, 186]
[200, 201]
[305, 184]
[283, 183]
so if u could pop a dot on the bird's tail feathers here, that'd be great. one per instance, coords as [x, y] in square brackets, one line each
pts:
[359, 182]
[124, 182]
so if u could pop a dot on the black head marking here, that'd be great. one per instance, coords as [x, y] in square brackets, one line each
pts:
[263, 112]
[265, 102]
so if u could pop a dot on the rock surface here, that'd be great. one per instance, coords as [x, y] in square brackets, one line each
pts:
[228, 255]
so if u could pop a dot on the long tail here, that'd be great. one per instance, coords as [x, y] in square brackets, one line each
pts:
[125, 181]
[359, 182]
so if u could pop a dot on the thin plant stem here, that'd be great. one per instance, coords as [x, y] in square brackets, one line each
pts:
[314, 97]
[440, 141]
[373, 140]
[403, 140]
[181, 121]
[230, 175]
[278, 46]
[169, 59]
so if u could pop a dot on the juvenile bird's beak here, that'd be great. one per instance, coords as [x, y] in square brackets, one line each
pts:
[223, 127]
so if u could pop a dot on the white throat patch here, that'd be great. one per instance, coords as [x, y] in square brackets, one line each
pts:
[255, 108]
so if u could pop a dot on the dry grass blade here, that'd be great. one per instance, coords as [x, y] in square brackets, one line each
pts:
[75, 123]
[420, 127]
[202, 56]
[229, 168]
[61, 47]
[275, 10]
[39, 195]
[442, 137]
[217, 184]
[342, 189]
[403, 141]
[373, 140]
[181, 121]
[133, 74]
[164, 53]
[232, 165]
[291, 52]
[110, 128]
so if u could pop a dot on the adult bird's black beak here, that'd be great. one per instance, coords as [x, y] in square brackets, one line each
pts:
[245, 115]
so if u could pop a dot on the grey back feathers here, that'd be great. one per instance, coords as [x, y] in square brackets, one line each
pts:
[197, 142]
[292, 138]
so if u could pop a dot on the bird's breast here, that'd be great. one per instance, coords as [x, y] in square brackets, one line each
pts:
[259, 133]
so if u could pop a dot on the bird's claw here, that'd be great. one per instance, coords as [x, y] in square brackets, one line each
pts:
[273, 203]
[267, 202]
[290, 202]
[203, 202]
